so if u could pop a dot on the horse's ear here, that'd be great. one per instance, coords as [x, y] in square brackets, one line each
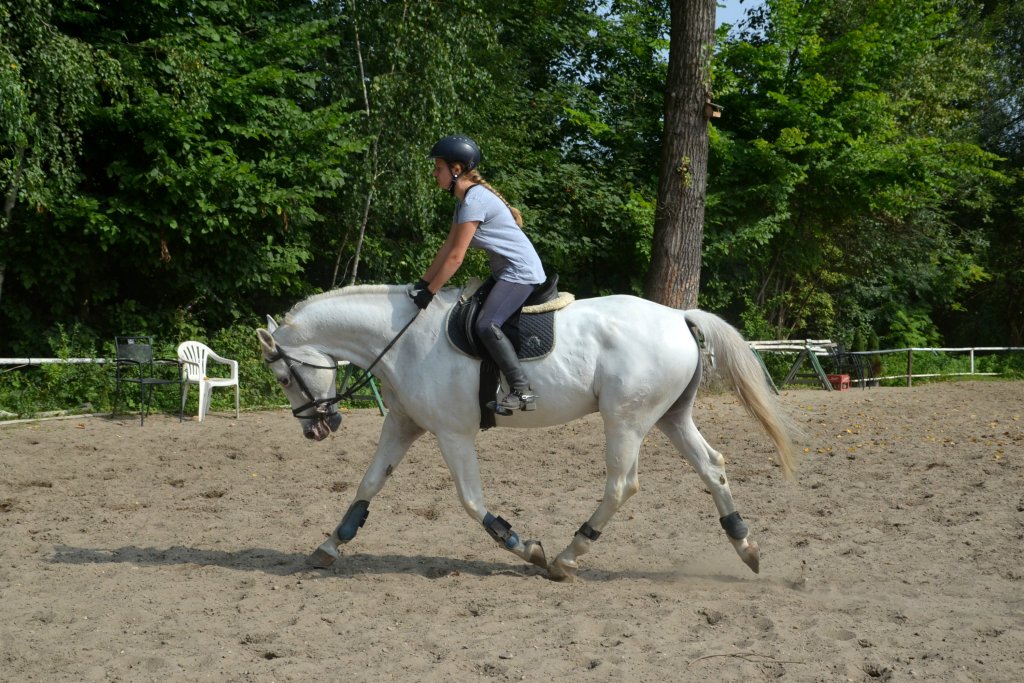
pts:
[271, 324]
[267, 342]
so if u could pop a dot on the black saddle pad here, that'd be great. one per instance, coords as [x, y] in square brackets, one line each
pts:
[533, 334]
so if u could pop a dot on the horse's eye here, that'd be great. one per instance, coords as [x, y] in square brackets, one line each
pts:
[285, 381]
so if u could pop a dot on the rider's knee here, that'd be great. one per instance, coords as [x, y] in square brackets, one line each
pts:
[487, 329]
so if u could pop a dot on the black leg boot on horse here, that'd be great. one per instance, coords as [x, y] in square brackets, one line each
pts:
[520, 396]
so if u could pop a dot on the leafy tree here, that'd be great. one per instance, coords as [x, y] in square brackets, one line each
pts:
[996, 304]
[179, 165]
[49, 82]
[410, 69]
[842, 165]
[200, 185]
[590, 148]
[534, 83]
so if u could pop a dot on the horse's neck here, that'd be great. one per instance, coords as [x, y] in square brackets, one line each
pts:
[352, 324]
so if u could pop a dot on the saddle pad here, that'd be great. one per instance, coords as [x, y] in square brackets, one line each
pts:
[533, 334]
[561, 301]
[531, 331]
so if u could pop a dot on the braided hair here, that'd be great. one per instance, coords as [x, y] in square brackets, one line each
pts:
[477, 179]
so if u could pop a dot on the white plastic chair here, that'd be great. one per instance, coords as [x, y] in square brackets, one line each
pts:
[194, 356]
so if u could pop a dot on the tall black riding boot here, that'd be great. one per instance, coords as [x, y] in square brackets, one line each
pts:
[519, 397]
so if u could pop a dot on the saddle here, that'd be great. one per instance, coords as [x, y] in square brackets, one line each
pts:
[531, 331]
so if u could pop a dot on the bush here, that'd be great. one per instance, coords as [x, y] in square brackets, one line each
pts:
[89, 387]
[259, 389]
[951, 365]
[83, 387]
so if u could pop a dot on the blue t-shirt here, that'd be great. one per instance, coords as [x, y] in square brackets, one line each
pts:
[510, 252]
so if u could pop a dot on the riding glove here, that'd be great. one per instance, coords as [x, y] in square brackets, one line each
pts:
[420, 295]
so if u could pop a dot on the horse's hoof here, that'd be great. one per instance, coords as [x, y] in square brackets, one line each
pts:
[751, 557]
[324, 556]
[535, 554]
[563, 570]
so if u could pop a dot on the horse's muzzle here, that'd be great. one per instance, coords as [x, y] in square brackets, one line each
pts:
[320, 428]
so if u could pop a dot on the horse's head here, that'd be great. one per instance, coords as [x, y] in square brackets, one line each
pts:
[308, 377]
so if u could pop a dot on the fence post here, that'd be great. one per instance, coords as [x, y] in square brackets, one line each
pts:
[910, 367]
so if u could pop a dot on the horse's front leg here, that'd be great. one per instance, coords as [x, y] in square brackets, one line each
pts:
[623, 444]
[459, 454]
[397, 434]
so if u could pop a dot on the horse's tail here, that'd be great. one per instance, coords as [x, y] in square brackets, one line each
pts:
[733, 358]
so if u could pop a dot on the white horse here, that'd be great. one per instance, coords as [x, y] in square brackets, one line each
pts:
[634, 361]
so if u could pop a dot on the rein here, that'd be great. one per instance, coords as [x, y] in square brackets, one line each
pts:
[320, 405]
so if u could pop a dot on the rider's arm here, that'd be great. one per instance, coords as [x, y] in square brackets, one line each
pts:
[451, 254]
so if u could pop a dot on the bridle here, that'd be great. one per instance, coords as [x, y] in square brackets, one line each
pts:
[321, 405]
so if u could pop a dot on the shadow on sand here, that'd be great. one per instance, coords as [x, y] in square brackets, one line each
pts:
[279, 563]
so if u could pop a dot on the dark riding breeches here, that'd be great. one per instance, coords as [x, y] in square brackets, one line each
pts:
[504, 299]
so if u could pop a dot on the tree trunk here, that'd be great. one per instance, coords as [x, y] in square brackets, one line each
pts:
[366, 217]
[674, 276]
[9, 201]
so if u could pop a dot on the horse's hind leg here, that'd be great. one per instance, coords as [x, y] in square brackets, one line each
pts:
[710, 466]
[623, 444]
[459, 454]
[397, 434]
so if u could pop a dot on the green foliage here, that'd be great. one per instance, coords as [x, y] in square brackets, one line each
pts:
[911, 328]
[49, 82]
[200, 184]
[996, 304]
[66, 387]
[89, 387]
[1009, 365]
[841, 166]
[590, 207]
[408, 97]
[178, 167]
[950, 365]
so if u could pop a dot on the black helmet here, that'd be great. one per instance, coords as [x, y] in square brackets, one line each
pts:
[457, 148]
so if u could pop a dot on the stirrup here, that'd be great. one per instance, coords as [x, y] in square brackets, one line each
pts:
[515, 400]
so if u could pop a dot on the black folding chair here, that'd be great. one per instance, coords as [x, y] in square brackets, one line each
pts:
[848, 363]
[136, 364]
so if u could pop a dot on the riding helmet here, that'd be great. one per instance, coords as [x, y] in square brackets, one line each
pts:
[457, 148]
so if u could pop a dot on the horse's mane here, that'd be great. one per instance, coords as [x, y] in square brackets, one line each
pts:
[337, 294]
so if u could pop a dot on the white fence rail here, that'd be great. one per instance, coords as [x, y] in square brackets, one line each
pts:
[818, 347]
[26, 362]
[972, 351]
[809, 350]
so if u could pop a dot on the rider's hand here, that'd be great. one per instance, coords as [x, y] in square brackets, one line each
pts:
[420, 295]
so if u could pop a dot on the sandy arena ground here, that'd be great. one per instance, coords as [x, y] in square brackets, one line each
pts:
[175, 552]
